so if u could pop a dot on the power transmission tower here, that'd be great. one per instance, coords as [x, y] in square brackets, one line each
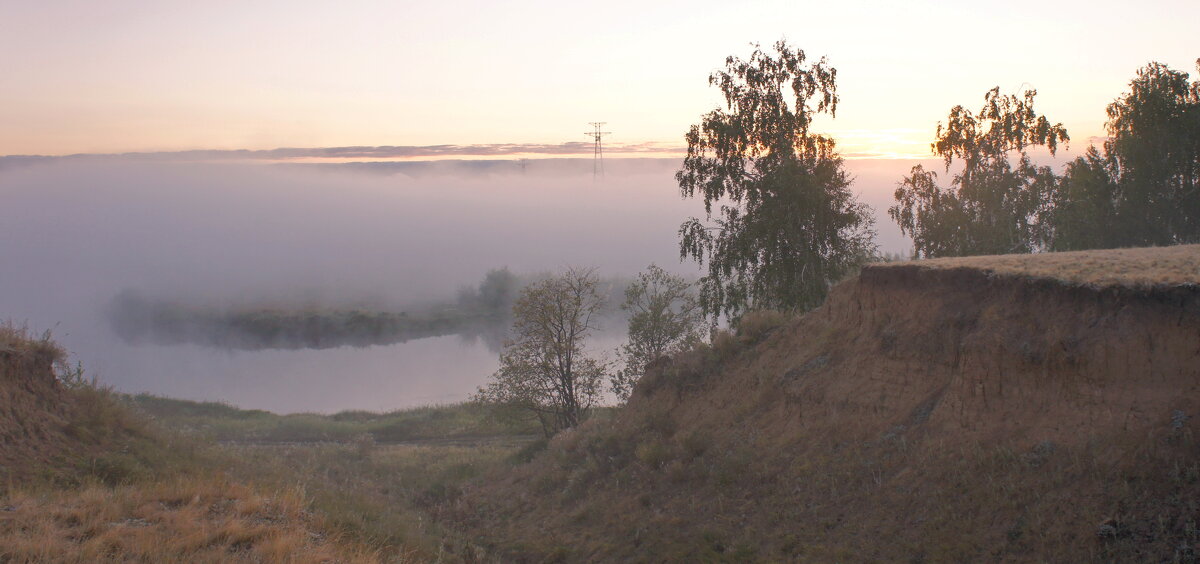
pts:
[598, 158]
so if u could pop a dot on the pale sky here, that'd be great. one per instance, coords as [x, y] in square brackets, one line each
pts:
[126, 75]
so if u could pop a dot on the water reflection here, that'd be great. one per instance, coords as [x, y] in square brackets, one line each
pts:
[378, 378]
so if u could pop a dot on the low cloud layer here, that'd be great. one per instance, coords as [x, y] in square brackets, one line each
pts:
[75, 233]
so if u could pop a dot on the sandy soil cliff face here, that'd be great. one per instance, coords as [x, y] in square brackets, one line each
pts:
[979, 354]
[927, 412]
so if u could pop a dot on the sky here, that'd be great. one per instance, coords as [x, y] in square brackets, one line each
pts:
[140, 75]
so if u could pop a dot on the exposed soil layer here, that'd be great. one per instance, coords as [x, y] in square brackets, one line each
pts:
[927, 412]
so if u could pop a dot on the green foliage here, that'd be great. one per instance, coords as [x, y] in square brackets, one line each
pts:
[72, 376]
[545, 370]
[495, 294]
[991, 205]
[665, 318]
[137, 318]
[1084, 212]
[1145, 190]
[787, 225]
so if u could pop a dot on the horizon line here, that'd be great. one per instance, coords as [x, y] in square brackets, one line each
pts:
[406, 153]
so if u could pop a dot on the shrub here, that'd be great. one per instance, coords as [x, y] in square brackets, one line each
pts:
[530, 450]
[653, 453]
[756, 325]
[724, 345]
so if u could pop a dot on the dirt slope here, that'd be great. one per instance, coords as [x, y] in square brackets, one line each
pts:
[85, 479]
[57, 433]
[33, 406]
[990, 409]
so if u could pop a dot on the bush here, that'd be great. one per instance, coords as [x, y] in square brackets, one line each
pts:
[724, 345]
[653, 453]
[98, 416]
[527, 452]
[756, 325]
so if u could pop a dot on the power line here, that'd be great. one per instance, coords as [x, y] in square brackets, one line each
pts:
[598, 152]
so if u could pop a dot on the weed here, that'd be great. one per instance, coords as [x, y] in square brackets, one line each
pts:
[724, 345]
[527, 452]
[653, 453]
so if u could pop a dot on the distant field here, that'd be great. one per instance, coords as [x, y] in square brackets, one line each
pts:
[375, 478]
[456, 423]
[1153, 266]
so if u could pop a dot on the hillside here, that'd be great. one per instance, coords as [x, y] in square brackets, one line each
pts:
[1009, 408]
[83, 478]
[31, 402]
[48, 429]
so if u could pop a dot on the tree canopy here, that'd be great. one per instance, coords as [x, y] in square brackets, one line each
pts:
[996, 199]
[664, 318]
[786, 225]
[1145, 189]
[545, 369]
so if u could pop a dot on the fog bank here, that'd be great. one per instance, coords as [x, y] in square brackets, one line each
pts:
[75, 233]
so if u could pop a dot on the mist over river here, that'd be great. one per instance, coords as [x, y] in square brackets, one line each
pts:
[74, 233]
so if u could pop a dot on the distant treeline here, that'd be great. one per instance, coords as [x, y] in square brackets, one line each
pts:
[1140, 189]
[482, 312]
[479, 312]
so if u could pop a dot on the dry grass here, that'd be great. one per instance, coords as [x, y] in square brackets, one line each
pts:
[86, 478]
[183, 520]
[375, 492]
[380, 495]
[1145, 267]
[912, 418]
[16, 343]
[34, 407]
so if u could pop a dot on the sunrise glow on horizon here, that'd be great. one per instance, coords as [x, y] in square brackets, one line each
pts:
[130, 76]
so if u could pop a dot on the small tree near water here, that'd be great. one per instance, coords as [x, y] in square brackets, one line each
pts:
[665, 317]
[545, 370]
